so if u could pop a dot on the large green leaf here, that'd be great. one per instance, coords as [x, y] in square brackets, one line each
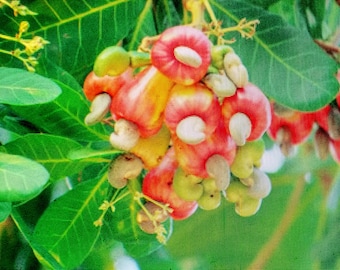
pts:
[282, 60]
[20, 87]
[78, 30]
[66, 230]
[51, 151]
[20, 178]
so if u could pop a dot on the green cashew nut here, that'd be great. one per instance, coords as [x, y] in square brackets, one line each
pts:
[111, 61]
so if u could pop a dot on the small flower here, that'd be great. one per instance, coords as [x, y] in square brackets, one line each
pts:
[33, 45]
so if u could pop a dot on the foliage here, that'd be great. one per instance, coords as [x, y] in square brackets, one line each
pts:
[53, 168]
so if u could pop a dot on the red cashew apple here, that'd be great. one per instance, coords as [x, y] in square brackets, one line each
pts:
[95, 85]
[157, 184]
[328, 118]
[321, 116]
[290, 130]
[210, 158]
[192, 112]
[139, 105]
[182, 53]
[246, 114]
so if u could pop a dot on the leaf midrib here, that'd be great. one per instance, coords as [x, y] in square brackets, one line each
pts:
[76, 17]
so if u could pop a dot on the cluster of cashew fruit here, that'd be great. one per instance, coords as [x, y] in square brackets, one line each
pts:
[188, 121]
[290, 128]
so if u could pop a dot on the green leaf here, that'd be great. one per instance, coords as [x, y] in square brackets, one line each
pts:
[166, 14]
[20, 178]
[26, 231]
[20, 87]
[85, 153]
[145, 26]
[282, 60]
[263, 3]
[66, 230]
[5, 210]
[290, 11]
[78, 30]
[314, 11]
[50, 151]
[7, 136]
[64, 116]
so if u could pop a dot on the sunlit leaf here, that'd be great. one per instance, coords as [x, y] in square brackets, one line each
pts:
[282, 60]
[20, 87]
[20, 178]
[66, 230]
[49, 150]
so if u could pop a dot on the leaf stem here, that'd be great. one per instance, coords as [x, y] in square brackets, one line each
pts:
[106, 205]
[210, 11]
[9, 38]
[286, 221]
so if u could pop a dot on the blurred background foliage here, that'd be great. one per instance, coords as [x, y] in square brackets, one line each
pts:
[298, 225]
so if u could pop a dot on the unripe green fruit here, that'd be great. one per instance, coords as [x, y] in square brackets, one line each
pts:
[248, 207]
[217, 55]
[247, 156]
[211, 197]
[111, 61]
[236, 191]
[244, 204]
[187, 187]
